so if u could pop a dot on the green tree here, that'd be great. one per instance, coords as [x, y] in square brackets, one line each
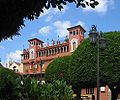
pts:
[58, 69]
[81, 70]
[84, 63]
[8, 84]
[14, 12]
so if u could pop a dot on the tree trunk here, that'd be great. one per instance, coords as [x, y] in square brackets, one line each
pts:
[78, 95]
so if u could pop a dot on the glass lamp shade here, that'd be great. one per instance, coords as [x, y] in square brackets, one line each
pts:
[93, 36]
[102, 43]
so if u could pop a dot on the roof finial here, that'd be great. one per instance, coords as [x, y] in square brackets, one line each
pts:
[47, 42]
[58, 37]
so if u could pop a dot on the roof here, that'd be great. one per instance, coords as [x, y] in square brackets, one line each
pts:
[76, 27]
[53, 46]
[35, 39]
[18, 63]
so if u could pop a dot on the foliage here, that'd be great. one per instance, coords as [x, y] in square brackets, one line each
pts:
[8, 84]
[14, 12]
[57, 90]
[84, 60]
[58, 70]
[30, 89]
[13, 87]
[82, 65]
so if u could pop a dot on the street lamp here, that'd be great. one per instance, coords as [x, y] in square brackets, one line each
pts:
[41, 64]
[97, 39]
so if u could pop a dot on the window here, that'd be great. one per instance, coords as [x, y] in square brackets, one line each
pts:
[26, 68]
[74, 45]
[89, 90]
[14, 68]
[77, 32]
[82, 33]
[31, 53]
[73, 32]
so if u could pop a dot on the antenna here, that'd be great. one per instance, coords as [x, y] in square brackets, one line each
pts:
[47, 42]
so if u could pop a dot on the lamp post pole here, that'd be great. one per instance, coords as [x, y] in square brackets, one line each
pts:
[97, 39]
[98, 71]
[41, 64]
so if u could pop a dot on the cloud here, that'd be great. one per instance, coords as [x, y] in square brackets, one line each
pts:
[81, 23]
[61, 27]
[102, 7]
[49, 13]
[2, 47]
[14, 56]
[44, 30]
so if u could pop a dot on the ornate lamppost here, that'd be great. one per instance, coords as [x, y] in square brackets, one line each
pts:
[41, 65]
[96, 38]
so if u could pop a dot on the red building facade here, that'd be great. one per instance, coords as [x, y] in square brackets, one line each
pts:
[36, 52]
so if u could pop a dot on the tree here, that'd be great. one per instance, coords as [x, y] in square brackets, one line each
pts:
[14, 12]
[84, 63]
[58, 70]
[81, 70]
[8, 84]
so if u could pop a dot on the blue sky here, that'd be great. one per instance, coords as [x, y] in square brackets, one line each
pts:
[54, 22]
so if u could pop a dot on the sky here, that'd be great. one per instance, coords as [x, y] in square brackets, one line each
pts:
[52, 22]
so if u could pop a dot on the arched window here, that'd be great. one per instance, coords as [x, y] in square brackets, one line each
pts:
[31, 53]
[74, 45]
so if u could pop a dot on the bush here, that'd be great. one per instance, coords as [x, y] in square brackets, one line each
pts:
[58, 90]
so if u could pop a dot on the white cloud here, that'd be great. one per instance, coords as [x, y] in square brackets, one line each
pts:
[2, 47]
[81, 23]
[44, 30]
[14, 56]
[61, 27]
[49, 13]
[102, 7]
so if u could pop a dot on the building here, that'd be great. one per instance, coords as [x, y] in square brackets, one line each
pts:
[15, 66]
[37, 52]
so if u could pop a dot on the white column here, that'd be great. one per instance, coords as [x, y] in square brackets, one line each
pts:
[66, 48]
[60, 49]
[63, 49]
[48, 52]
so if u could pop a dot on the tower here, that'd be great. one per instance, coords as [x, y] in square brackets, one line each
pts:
[34, 44]
[76, 35]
